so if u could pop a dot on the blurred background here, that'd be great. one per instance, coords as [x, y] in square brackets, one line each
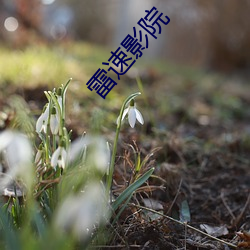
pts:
[194, 81]
[213, 34]
[200, 60]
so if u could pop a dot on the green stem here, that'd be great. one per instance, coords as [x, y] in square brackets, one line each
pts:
[47, 140]
[54, 142]
[59, 111]
[112, 164]
[65, 87]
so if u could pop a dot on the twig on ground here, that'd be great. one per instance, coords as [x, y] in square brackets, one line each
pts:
[184, 224]
[227, 207]
[116, 246]
[239, 217]
[173, 202]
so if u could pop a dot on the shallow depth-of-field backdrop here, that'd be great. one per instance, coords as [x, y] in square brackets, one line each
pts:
[166, 168]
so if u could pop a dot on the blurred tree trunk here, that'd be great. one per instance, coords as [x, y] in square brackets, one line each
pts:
[28, 14]
[229, 35]
[214, 33]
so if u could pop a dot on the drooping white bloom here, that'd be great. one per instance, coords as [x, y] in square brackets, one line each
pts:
[98, 152]
[59, 99]
[77, 149]
[59, 157]
[17, 152]
[133, 114]
[99, 155]
[54, 124]
[54, 121]
[79, 214]
[42, 122]
[39, 154]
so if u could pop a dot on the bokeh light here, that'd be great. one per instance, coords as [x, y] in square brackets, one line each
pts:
[11, 24]
[58, 31]
[47, 2]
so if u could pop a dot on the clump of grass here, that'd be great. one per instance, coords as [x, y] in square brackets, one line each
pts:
[37, 65]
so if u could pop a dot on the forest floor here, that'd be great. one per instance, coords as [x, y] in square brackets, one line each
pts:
[196, 135]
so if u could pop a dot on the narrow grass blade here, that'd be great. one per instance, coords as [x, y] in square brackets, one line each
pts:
[128, 191]
[122, 209]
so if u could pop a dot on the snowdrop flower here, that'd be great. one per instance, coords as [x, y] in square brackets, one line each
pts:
[59, 157]
[133, 114]
[42, 122]
[39, 154]
[98, 152]
[79, 214]
[54, 121]
[17, 152]
[59, 97]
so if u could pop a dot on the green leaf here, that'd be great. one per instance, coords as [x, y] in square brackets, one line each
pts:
[138, 163]
[10, 236]
[65, 87]
[39, 222]
[122, 209]
[185, 212]
[129, 190]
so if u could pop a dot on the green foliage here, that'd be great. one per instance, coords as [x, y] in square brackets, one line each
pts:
[49, 65]
[67, 205]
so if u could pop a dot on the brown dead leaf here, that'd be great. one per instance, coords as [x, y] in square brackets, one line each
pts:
[245, 236]
[153, 204]
[214, 230]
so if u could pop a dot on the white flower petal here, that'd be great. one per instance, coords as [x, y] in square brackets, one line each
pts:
[77, 148]
[55, 156]
[66, 215]
[63, 158]
[64, 154]
[61, 163]
[59, 99]
[39, 123]
[101, 154]
[5, 139]
[59, 157]
[132, 117]
[19, 151]
[18, 155]
[79, 214]
[38, 156]
[54, 124]
[98, 152]
[44, 127]
[125, 112]
[46, 113]
[139, 116]
[42, 121]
